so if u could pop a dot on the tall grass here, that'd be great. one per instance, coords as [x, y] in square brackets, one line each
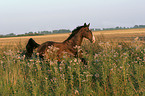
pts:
[114, 68]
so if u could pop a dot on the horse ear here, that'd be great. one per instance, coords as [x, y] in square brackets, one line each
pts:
[85, 24]
[88, 24]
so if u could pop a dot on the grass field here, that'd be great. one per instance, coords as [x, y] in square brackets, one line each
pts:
[116, 67]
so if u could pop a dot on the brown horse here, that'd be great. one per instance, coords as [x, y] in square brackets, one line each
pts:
[67, 46]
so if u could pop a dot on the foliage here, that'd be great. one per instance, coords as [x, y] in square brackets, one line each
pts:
[114, 68]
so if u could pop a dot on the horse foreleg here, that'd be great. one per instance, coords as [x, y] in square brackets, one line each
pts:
[84, 61]
[80, 55]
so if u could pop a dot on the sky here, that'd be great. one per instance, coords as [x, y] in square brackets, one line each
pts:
[22, 16]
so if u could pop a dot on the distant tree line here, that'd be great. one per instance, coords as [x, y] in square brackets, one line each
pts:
[37, 33]
[117, 28]
[49, 32]
[66, 31]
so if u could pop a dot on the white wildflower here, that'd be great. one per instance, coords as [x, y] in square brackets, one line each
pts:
[77, 92]
[97, 75]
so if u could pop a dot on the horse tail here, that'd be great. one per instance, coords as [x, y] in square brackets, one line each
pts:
[31, 45]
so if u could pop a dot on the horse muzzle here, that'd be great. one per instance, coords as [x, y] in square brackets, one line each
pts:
[93, 39]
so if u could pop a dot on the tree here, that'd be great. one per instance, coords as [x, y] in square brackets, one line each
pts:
[136, 26]
[11, 34]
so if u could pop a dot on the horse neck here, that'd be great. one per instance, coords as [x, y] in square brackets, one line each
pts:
[74, 40]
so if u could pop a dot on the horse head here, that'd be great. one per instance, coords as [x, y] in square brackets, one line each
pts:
[87, 33]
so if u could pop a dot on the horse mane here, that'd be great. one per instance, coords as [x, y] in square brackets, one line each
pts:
[75, 31]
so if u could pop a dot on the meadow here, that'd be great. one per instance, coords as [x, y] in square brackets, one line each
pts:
[116, 67]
